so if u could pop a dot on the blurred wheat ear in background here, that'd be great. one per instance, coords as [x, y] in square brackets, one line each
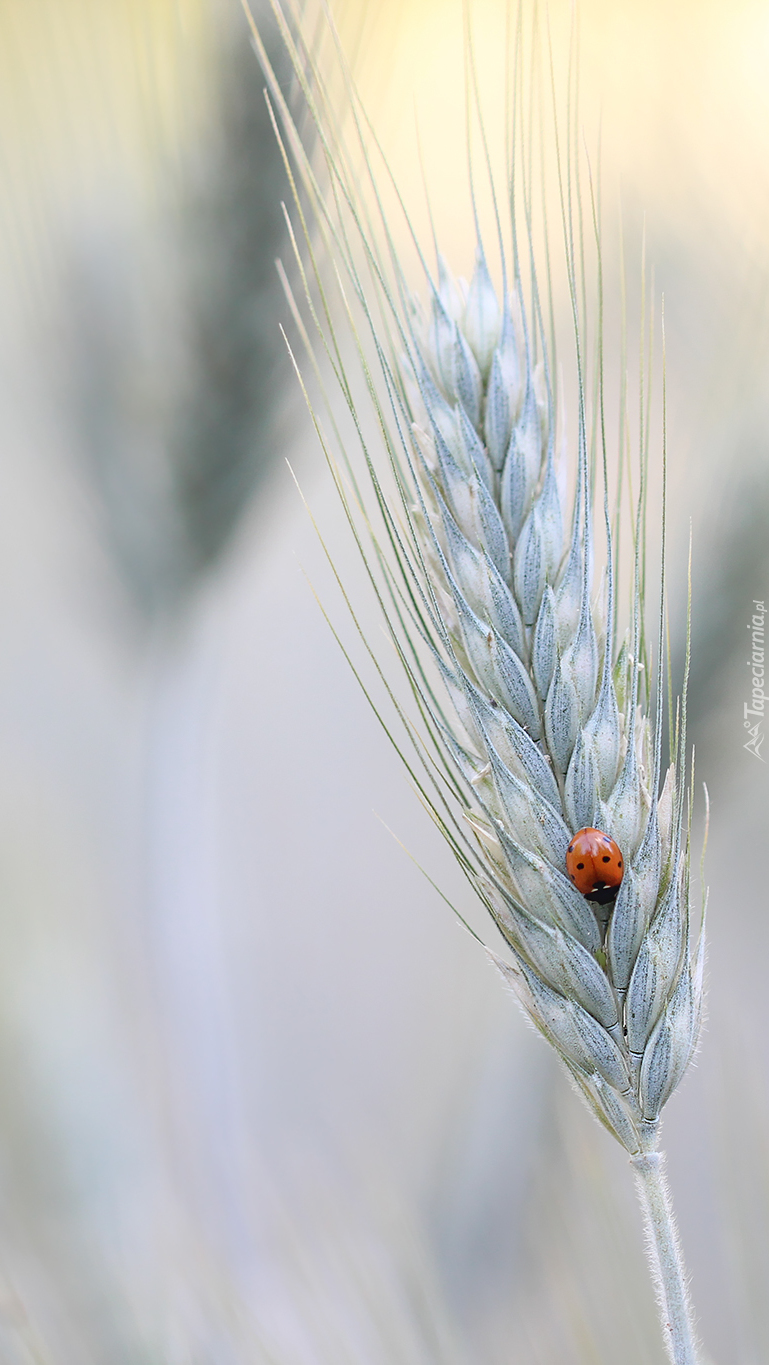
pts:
[178, 398]
[176, 377]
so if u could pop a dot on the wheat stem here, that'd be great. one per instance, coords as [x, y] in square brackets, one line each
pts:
[666, 1260]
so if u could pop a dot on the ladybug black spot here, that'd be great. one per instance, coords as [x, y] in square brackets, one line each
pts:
[606, 858]
[570, 849]
[580, 866]
[619, 864]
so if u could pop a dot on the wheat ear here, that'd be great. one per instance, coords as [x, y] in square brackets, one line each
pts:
[488, 595]
[544, 746]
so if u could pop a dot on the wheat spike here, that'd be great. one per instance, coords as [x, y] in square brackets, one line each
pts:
[537, 727]
[539, 741]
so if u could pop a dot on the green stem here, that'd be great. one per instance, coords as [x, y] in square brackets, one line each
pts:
[666, 1260]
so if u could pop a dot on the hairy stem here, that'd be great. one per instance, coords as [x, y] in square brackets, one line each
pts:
[666, 1260]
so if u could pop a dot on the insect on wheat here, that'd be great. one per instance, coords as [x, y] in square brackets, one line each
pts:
[532, 746]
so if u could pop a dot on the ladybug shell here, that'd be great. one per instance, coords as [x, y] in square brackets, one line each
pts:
[595, 865]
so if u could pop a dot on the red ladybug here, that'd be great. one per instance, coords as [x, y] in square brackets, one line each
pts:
[594, 864]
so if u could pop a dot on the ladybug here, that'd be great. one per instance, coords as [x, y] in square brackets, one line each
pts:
[595, 865]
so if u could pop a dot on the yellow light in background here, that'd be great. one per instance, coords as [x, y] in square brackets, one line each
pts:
[95, 98]
[679, 92]
[422, 104]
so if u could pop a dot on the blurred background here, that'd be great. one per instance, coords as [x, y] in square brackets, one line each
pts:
[260, 1099]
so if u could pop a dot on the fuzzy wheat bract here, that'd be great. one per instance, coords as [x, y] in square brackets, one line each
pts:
[533, 726]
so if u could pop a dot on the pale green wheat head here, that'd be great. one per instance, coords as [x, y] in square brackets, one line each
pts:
[532, 724]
